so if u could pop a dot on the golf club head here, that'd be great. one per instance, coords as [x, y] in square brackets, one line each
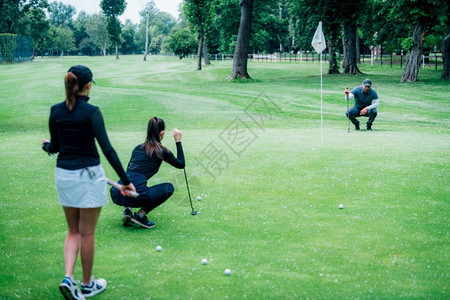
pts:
[195, 213]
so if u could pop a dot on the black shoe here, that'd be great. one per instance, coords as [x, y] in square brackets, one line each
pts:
[143, 221]
[369, 127]
[127, 215]
[357, 126]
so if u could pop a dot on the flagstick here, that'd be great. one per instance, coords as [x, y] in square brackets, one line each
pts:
[319, 44]
[321, 103]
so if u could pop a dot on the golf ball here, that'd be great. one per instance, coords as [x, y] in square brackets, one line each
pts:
[204, 261]
[341, 206]
[158, 248]
[227, 272]
[199, 198]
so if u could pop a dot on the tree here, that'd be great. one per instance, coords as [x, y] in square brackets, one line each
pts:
[63, 39]
[163, 21]
[306, 14]
[149, 10]
[197, 14]
[80, 33]
[39, 27]
[242, 43]
[387, 34]
[156, 44]
[96, 29]
[61, 14]
[418, 15]
[446, 56]
[181, 42]
[12, 11]
[269, 26]
[446, 49]
[411, 70]
[350, 34]
[351, 14]
[87, 46]
[112, 10]
[128, 32]
[226, 25]
[160, 23]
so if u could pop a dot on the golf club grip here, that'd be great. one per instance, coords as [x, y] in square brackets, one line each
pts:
[119, 187]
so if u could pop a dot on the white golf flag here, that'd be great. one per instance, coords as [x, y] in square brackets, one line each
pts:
[319, 45]
[318, 41]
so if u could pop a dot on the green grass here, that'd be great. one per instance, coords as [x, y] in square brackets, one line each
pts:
[269, 210]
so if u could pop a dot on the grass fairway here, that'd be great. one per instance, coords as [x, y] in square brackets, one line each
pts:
[270, 189]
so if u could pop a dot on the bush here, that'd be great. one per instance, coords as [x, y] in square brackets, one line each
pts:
[8, 45]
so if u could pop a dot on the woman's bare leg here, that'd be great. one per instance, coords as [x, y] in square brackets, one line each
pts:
[73, 239]
[87, 225]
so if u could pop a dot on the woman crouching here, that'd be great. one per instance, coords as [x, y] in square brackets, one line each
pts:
[144, 163]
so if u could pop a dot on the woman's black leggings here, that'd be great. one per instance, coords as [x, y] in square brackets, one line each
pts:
[149, 197]
[154, 196]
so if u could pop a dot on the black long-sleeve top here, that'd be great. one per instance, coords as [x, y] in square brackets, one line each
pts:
[148, 165]
[73, 135]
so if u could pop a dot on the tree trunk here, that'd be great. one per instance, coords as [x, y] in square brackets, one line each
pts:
[205, 54]
[199, 51]
[117, 51]
[146, 39]
[333, 65]
[446, 53]
[201, 40]
[358, 48]
[412, 64]
[242, 42]
[344, 44]
[11, 27]
[351, 66]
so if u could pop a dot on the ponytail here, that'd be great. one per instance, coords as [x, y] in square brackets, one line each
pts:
[153, 140]
[71, 82]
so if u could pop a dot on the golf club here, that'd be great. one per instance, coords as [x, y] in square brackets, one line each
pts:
[193, 212]
[348, 120]
[119, 187]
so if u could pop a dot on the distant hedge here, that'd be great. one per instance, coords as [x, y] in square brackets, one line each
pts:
[8, 45]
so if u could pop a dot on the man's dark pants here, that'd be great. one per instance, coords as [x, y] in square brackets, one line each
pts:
[353, 113]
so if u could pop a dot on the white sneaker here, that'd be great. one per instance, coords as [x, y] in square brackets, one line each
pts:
[96, 286]
[70, 290]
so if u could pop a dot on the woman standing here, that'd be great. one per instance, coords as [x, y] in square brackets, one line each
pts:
[144, 163]
[80, 180]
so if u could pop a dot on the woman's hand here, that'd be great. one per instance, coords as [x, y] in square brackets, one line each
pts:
[127, 187]
[177, 135]
[44, 141]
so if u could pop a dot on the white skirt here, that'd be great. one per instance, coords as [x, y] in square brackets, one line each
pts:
[82, 188]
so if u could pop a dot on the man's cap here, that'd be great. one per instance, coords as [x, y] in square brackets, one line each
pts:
[83, 74]
[367, 82]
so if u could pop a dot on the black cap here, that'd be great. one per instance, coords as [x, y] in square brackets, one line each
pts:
[367, 82]
[83, 74]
